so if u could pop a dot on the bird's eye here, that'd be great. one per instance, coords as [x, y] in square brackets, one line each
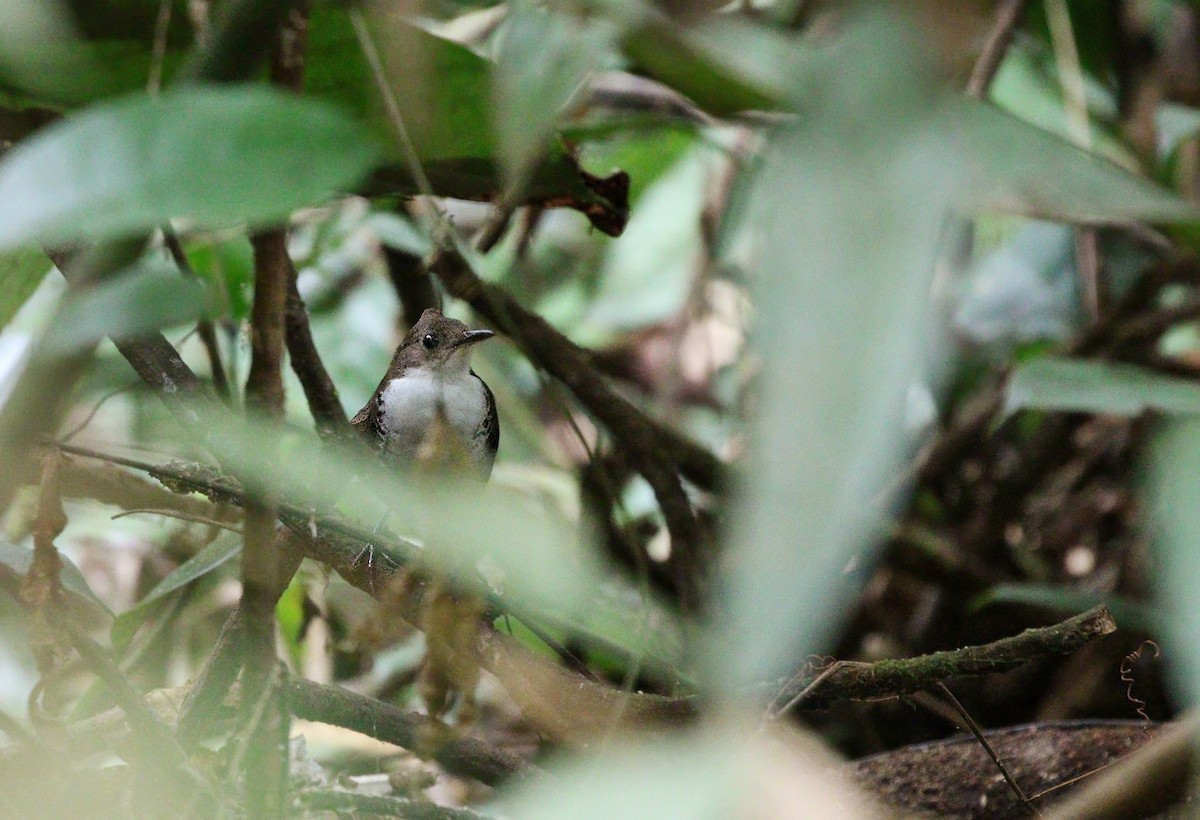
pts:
[430, 341]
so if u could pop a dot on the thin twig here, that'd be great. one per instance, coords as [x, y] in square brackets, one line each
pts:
[987, 747]
[798, 698]
[1000, 37]
[182, 516]
[158, 54]
[208, 333]
[79, 428]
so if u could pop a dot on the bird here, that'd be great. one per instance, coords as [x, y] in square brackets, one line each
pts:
[430, 390]
[429, 411]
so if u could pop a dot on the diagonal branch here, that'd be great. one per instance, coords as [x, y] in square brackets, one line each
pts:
[851, 680]
[571, 365]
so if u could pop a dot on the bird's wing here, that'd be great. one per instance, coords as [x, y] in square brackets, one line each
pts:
[491, 425]
[366, 420]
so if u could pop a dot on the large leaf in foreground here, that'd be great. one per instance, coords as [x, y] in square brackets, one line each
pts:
[214, 156]
[1174, 496]
[850, 205]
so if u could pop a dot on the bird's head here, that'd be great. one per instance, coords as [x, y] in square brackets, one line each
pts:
[441, 344]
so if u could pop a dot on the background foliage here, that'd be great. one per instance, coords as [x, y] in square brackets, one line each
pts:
[826, 329]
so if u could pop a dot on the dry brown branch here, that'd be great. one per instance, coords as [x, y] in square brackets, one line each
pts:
[999, 38]
[319, 389]
[457, 752]
[204, 327]
[412, 283]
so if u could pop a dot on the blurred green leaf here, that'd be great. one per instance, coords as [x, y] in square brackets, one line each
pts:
[687, 777]
[1029, 87]
[21, 271]
[67, 73]
[1019, 168]
[845, 270]
[522, 547]
[1081, 386]
[211, 155]
[1128, 614]
[443, 92]
[621, 618]
[399, 233]
[63, 54]
[723, 769]
[205, 561]
[150, 296]
[543, 59]
[1174, 496]
[441, 88]
[724, 64]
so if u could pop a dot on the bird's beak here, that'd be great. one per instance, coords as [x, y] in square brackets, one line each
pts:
[472, 336]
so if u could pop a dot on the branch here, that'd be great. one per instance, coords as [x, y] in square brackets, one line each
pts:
[204, 327]
[355, 804]
[319, 389]
[1000, 37]
[266, 566]
[412, 283]
[458, 753]
[571, 365]
[851, 680]
[563, 703]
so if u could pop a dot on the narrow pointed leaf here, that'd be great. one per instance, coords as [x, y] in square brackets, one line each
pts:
[1020, 168]
[1079, 386]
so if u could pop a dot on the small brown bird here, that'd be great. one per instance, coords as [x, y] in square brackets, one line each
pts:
[430, 383]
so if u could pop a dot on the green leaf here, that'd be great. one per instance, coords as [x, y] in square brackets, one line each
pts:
[150, 296]
[205, 561]
[724, 64]
[443, 92]
[212, 155]
[1022, 169]
[850, 206]
[723, 769]
[1080, 386]
[688, 776]
[1127, 613]
[96, 49]
[542, 63]
[441, 88]
[21, 271]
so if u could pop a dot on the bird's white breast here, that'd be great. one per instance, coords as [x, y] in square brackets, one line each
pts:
[409, 405]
